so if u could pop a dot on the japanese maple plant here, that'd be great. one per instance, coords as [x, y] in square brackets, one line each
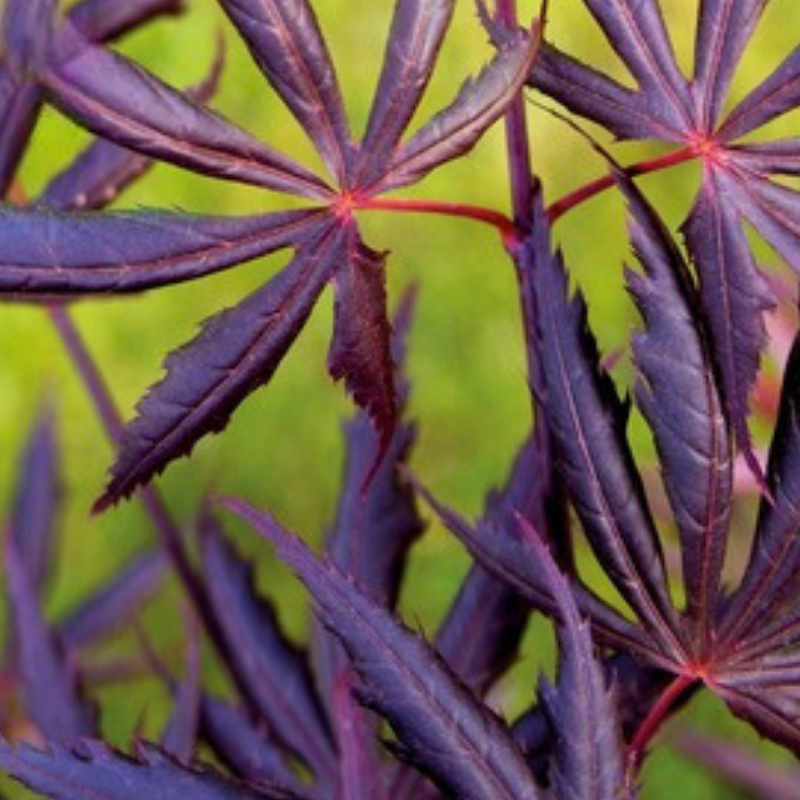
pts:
[372, 709]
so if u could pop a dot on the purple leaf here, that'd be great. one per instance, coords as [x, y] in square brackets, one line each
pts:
[734, 297]
[360, 776]
[772, 570]
[103, 20]
[587, 422]
[36, 501]
[119, 100]
[361, 351]
[724, 29]
[481, 102]
[44, 254]
[772, 98]
[96, 772]
[627, 113]
[677, 391]
[589, 762]
[447, 733]
[274, 673]
[110, 607]
[49, 679]
[242, 744]
[286, 43]
[237, 351]
[418, 28]
[103, 171]
[26, 29]
[180, 736]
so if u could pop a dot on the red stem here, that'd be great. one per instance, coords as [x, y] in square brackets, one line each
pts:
[656, 718]
[596, 187]
[501, 222]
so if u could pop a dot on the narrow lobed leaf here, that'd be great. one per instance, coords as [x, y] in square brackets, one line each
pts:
[442, 728]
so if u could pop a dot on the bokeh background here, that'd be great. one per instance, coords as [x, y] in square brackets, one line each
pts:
[282, 449]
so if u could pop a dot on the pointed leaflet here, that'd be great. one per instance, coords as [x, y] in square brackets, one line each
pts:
[481, 102]
[120, 101]
[286, 43]
[734, 297]
[418, 28]
[273, 671]
[44, 253]
[724, 29]
[589, 763]
[676, 389]
[103, 170]
[36, 501]
[49, 679]
[115, 603]
[441, 726]
[587, 423]
[774, 97]
[481, 633]
[96, 772]
[360, 770]
[242, 744]
[512, 561]
[775, 556]
[237, 351]
[361, 351]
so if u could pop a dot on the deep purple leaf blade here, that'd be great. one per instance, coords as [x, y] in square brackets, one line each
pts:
[772, 569]
[734, 298]
[589, 761]
[677, 391]
[448, 734]
[50, 681]
[627, 113]
[36, 500]
[96, 772]
[26, 29]
[119, 100]
[104, 20]
[236, 352]
[242, 744]
[360, 351]
[181, 733]
[480, 103]
[418, 29]
[776, 157]
[637, 33]
[285, 41]
[772, 98]
[513, 562]
[106, 610]
[723, 31]
[45, 254]
[274, 672]
[360, 769]
[104, 170]
[377, 521]
[587, 422]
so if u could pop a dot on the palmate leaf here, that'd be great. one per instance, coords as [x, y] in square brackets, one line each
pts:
[96, 772]
[110, 95]
[736, 182]
[237, 351]
[441, 727]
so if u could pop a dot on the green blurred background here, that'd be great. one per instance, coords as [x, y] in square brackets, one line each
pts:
[282, 450]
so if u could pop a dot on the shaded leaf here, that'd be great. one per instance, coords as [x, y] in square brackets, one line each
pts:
[180, 736]
[237, 351]
[441, 726]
